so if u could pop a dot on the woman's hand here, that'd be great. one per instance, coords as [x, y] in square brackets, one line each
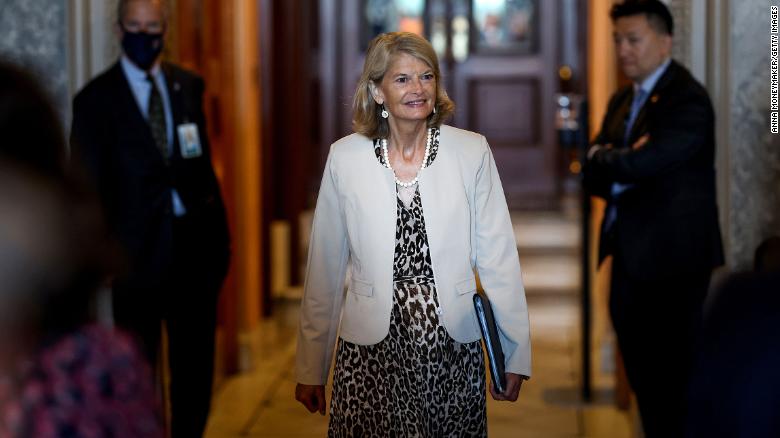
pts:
[313, 397]
[512, 390]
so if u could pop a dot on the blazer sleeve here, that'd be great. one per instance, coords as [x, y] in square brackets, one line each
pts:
[324, 285]
[498, 265]
[602, 137]
[221, 228]
[678, 133]
[595, 183]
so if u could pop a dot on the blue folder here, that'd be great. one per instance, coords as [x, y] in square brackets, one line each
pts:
[487, 324]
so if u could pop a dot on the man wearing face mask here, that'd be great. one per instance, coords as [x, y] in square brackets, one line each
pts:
[139, 134]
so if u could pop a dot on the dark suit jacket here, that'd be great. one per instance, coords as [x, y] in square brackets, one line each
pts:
[113, 142]
[667, 223]
[735, 388]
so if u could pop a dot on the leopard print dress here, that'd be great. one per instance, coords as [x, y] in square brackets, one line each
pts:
[418, 381]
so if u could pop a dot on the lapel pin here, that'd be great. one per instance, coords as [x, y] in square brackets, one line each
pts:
[654, 98]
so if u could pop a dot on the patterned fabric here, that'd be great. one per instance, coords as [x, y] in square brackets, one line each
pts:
[92, 383]
[157, 119]
[418, 381]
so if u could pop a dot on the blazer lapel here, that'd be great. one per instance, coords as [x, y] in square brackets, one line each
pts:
[381, 205]
[620, 119]
[130, 113]
[126, 102]
[433, 181]
[655, 97]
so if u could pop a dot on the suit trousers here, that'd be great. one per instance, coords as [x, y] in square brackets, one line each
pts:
[657, 324]
[186, 302]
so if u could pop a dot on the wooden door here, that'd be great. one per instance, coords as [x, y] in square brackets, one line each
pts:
[499, 61]
[504, 87]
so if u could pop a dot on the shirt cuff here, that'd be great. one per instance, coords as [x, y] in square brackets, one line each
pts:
[593, 149]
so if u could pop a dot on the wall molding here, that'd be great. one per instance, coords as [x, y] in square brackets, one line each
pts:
[92, 43]
[718, 80]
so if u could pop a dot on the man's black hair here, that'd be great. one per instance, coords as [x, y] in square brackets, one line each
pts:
[657, 13]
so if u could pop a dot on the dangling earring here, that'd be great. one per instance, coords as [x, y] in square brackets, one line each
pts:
[434, 109]
[385, 114]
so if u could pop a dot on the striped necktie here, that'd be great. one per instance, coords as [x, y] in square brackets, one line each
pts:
[156, 119]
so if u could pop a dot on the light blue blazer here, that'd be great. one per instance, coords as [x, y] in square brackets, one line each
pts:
[468, 227]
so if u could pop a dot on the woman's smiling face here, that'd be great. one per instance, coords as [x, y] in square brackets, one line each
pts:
[408, 88]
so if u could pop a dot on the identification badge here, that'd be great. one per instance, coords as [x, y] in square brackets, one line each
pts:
[189, 140]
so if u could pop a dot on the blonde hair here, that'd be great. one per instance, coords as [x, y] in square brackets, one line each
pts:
[366, 113]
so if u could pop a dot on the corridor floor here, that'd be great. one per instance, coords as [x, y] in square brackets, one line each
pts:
[260, 402]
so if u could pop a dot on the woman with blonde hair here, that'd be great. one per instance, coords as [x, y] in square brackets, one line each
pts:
[409, 360]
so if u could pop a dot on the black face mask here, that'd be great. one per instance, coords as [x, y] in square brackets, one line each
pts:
[142, 48]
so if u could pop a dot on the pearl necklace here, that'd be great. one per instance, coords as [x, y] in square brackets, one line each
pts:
[422, 166]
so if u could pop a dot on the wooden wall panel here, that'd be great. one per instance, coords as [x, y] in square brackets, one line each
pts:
[218, 40]
[290, 81]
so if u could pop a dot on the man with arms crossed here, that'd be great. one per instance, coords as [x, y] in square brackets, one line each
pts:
[652, 162]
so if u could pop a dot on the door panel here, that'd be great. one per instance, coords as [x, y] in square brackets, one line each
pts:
[508, 123]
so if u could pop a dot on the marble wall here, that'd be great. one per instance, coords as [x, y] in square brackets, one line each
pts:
[753, 152]
[64, 43]
[34, 33]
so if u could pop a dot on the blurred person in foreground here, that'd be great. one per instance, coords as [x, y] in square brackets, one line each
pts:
[417, 207]
[140, 131]
[61, 374]
[653, 162]
[735, 389]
